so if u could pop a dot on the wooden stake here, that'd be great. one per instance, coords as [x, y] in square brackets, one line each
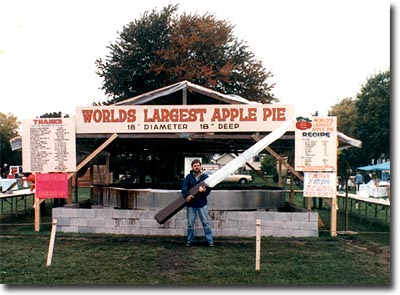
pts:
[51, 243]
[36, 208]
[333, 217]
[258, 244]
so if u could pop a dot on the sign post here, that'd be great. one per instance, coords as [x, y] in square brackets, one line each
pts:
[316, 155]
[49, 152]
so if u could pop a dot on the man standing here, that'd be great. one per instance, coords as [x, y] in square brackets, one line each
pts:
[358, 179]
[196, 205]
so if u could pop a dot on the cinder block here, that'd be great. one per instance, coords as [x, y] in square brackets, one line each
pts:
[300, 216]
[104, 213]
[230, 223]
[78, 222]
[264, 216]
[146, 214]
[246, 223]
[126, 222]
[273, 225]
[226, 232]
[169, 224]
[96, 222]
[218, 224]
[223, 223]
[123, 213]
[282, 216]
[306, 225]
[281, 234]
[247, 232]
[248, 216]
[62, 221]
[313, 216]
[266, 232]
[152, 223]
[180, 215]
[86, 213]
[180, 223]
[68, 212]
[56, 212]
[231, 215]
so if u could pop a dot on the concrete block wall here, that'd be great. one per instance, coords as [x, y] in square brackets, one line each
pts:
[224, 223]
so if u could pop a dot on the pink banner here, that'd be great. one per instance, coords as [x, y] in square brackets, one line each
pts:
[51, 185]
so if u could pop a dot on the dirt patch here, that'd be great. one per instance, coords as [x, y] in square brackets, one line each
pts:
[372, 248]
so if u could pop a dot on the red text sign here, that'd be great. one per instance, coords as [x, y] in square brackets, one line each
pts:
[52, 185]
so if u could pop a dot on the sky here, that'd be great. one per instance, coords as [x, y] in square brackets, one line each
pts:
[319, 51]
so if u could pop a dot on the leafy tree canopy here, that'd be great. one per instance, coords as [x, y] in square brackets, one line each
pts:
[54, 115]
[346, 114]
[367, 118]
[373, 120]
[9, 126]
[162, 48]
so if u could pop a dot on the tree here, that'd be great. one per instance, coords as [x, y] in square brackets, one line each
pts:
[346, 113]
[373, 119]
[367, 118]
[268, 165]
[54, 115]
[8, 129]
[162, 48]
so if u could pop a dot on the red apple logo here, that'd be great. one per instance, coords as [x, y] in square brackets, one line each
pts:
[303, 123]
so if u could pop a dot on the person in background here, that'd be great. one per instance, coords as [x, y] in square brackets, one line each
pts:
[4, 171]
[197, 205]
[358, 179]
[368, 177]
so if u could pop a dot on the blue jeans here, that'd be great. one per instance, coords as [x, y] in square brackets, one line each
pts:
[191, 219]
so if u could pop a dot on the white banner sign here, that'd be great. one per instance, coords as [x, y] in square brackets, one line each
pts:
[182, 118]
[319, 184]
[315, 144]
[48, 145]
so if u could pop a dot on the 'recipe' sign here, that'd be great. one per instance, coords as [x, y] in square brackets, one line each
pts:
[316, 144]
[182, 118]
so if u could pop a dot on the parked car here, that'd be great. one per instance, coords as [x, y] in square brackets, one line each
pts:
[234, 177]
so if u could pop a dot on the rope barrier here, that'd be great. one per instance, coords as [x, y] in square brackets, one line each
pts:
[23, 224]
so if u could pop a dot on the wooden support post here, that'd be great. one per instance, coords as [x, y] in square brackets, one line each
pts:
[69, 200]
[309, 204]
[36, 207]
[51, 243]
[334, 217]
[258, 244]
[291, 197]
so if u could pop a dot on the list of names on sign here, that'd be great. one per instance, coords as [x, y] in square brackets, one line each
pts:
[316, 144]
[48, 145]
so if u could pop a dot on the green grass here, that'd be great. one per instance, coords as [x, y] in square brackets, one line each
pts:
[99, 259]
[121, 259]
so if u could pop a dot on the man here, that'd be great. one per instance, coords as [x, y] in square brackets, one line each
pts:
[196, 205]
[358, 179]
